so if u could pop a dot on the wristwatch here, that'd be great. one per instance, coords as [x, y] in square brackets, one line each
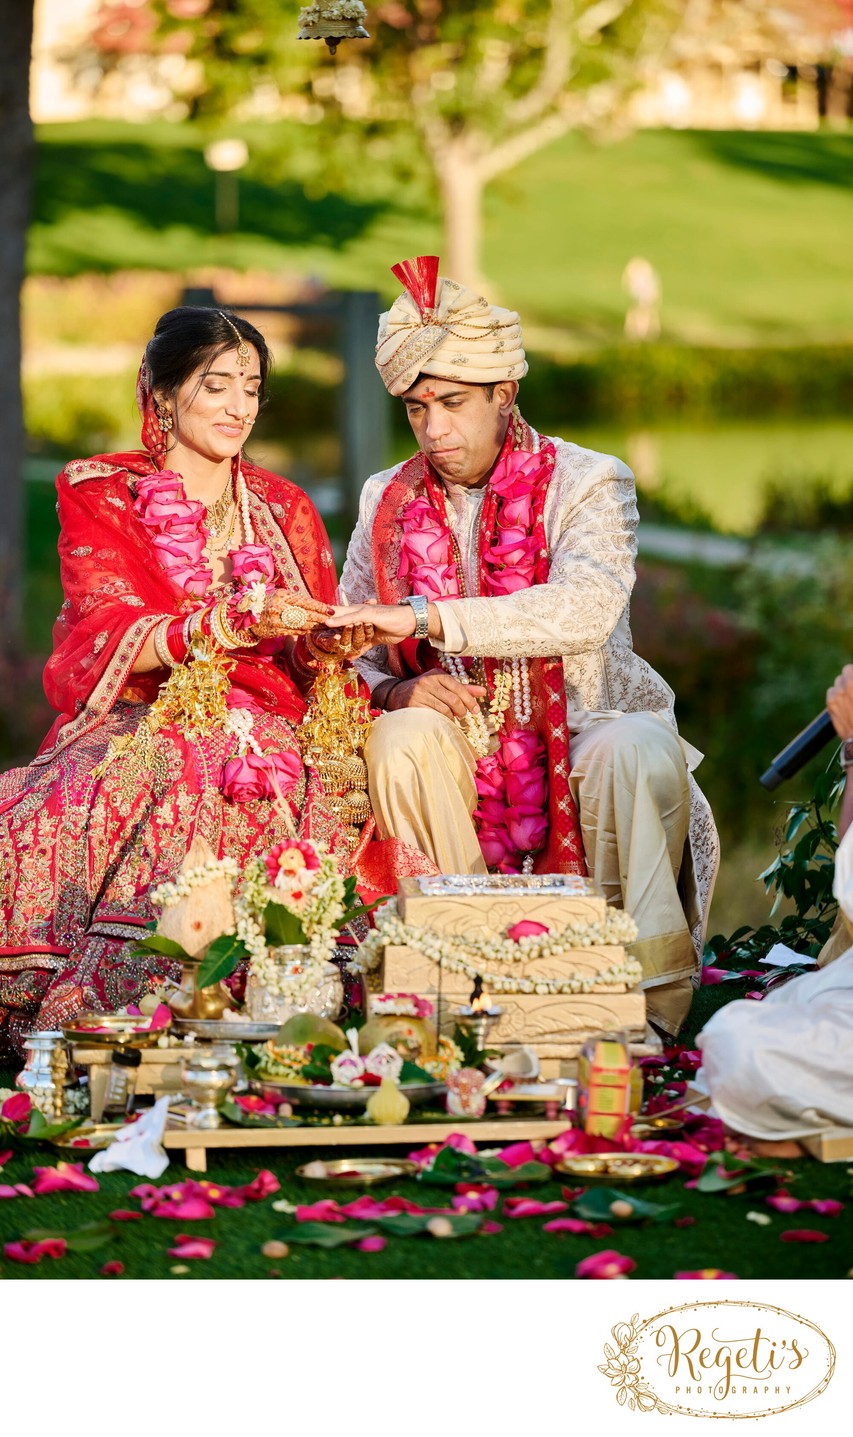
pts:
[420, 604]
[845, 756]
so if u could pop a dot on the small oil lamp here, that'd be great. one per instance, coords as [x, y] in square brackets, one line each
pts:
[478, 1017]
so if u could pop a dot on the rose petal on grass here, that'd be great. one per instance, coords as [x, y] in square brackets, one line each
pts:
[803, 1234]
[784, 1202]
[370, 1244]
[5, 1157]
[470, 1198]
[607, 1264]
[33, 1252]
[826, 1207]
[112, 1269]
[64, 1178]
[489, 1228]
[708, 1274]
[124, 1214]
[686, 1221]
[263, 1185]
[578, 1225]
[531, 1207]
[187, 1246]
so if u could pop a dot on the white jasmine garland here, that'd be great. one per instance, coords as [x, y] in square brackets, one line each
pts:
[468, 953]
[166, 895]
[322, 908]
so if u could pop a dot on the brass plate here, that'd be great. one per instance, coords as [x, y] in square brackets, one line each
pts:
[618, 1167]
[99, 1135]
[119, 1030]
[359, 1172]
[325, 1095]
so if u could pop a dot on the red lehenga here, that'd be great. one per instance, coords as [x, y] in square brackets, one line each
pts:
[79, 853]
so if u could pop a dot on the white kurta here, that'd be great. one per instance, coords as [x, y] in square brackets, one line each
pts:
[783, 1068]
[581, 614]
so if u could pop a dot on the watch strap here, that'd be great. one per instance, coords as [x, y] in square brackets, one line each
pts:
[419, 604]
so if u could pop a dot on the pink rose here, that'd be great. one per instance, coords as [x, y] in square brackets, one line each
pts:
[254, 776]
[518, 474]
[17, 1108]
[522, 748]
[527, 928]
[495, 846]
[171, 514]
[491, 812]
[422, 547]
[514, 545]
[489, 777]
[509, 581]
[518, 513]
[436, 581]
[251, 563]
[527, 828]
[528, 789]
[174, 551]
[165, 487]
[419, 514]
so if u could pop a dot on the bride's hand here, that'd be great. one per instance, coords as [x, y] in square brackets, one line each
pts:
[346, 643]
[288, 615]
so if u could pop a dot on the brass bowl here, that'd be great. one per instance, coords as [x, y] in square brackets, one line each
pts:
[112, 1030]
[618, 1167]
[358, 1172]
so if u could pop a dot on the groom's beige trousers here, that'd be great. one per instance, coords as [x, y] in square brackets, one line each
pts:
[629, 779]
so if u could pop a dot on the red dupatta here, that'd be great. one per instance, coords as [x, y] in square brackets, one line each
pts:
[116, 591]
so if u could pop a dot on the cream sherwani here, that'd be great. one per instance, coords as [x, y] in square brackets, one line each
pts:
[648, 832]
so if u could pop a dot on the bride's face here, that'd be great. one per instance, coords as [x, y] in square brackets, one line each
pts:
[215, 409]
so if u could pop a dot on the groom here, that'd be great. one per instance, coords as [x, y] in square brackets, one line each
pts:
[519, 729]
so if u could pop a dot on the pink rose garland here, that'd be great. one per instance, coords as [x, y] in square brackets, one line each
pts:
[512, 818]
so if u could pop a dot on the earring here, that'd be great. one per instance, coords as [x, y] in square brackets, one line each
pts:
[164, 417]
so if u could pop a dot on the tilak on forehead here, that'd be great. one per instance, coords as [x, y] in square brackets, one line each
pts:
[440, 328]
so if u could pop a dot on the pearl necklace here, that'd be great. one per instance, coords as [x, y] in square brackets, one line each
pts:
[521, 692]
[243, 502]
[479, 730]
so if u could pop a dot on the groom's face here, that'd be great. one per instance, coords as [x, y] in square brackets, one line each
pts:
[459, 427]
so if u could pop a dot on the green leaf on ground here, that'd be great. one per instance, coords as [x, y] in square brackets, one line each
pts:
[326, 1234]
[410, 1224]
[723, 1171]
[596, 1206]
[82, 1239]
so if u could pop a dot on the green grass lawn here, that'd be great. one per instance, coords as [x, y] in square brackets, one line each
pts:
[750, 232]
[721, 1234]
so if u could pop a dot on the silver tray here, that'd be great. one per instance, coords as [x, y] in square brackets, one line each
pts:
[320, 1095]
[229, 1032]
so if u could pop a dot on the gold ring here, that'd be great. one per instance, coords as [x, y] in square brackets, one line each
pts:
[292, 616]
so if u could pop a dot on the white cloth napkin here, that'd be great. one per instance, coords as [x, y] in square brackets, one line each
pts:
[136, 1148]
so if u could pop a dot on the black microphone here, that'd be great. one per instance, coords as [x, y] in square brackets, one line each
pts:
[797, 753]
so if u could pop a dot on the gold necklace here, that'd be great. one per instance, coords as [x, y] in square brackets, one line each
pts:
[221, 545]
[216, 514]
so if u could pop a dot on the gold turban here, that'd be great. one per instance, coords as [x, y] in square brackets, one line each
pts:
[439, 327]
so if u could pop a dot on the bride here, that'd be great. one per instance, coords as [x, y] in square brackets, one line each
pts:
[181, 664]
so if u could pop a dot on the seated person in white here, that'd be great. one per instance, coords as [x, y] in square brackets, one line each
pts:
[782, 1069]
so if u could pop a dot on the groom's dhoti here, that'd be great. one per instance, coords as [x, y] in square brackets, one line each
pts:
[630, 782]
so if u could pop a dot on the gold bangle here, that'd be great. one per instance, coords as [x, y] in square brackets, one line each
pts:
[161, 646]
[218, 632]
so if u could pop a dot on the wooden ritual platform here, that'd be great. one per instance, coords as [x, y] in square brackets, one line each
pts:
[197, 1142]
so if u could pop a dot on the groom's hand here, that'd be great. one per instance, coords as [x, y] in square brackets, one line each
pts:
[435, 690]
[391, 623]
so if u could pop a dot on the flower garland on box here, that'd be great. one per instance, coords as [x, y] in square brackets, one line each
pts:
[511, 777]
[463, 953]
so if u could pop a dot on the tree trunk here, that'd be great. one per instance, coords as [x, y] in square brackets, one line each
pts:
[16, 165]
[461, 189]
